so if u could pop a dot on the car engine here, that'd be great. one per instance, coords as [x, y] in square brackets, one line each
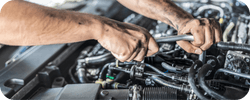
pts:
[87, 71]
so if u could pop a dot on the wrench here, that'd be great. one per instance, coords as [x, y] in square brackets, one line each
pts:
[175, 38]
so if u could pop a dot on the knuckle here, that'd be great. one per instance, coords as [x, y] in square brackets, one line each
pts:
[196, 21]
[200, 42]
[206, 20]
[142, 37]
[123, 54]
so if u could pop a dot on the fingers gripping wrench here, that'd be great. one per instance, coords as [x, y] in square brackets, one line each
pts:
[178, 38]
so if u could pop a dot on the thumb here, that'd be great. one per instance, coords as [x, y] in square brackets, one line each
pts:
[188, 47]
[152, 47]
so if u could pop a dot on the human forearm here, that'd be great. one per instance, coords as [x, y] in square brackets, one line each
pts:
[163, 10]
[206, 31]
[24, 23]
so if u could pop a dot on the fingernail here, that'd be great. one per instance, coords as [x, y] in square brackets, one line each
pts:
[198, 51]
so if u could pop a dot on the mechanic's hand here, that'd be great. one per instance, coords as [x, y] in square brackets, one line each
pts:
[205, 32]
[127, 41]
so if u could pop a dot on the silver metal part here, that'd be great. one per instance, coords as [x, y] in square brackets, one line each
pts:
[202, 57]
[175, 38]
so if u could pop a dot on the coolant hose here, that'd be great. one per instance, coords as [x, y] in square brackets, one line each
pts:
[197, 64]
[233, 46]
[207, 69]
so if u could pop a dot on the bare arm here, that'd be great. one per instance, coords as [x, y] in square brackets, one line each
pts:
[205, 31]
[24, 23]
[163, 10]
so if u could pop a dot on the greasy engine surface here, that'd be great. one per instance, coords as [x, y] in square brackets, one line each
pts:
[87, 71]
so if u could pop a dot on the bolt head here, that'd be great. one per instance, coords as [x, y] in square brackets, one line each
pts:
[229, 56]
[104, 93]
[247, 60]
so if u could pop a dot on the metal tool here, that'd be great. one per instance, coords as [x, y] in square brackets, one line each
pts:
[175, 38]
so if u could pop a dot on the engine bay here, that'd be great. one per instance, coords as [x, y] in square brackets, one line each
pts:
[86, 70]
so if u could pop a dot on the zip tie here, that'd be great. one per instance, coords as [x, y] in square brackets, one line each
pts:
[117, 63]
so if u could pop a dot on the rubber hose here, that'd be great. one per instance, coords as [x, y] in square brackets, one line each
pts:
[81, 73]
[103, 71]
[197, 64]
[233, 46]
[183, 79]
[119, 86]
[168, 84]
[158, 71]
[70, 73]
[120, 76]
[201, 78]
[97, 59]
[247, 76]
[172, 69]
[165, 83]
[106, 66]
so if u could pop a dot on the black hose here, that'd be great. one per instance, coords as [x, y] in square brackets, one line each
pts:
[247, 76]
[197, 64]
[169, 84]
[174, 77]
[79, 67]
[96, 48]
[70, 73]
[233, 46]
[106, 66]
[97, 60]
[81, 73]
[205, 69]
[120, 76]
[103, 71]
[126, 70]
[173, 69]
[158, 71]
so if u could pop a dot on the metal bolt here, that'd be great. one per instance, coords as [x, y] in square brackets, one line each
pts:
[229, 56]
[247, 60]
[104, 93]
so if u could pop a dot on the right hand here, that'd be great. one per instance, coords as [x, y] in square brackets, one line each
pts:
[206, 32]
[127, 41]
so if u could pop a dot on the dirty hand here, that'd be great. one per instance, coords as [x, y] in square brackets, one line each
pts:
[127, 41]
[206, 32]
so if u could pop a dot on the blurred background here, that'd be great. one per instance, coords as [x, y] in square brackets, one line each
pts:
[63, 70]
